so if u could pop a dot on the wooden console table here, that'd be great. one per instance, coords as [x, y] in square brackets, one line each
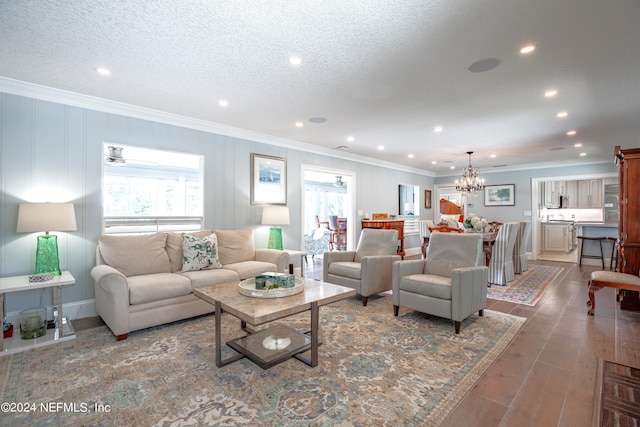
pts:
[388, 225]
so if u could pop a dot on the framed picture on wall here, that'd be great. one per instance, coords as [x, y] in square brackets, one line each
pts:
[500, 195]
[427, 199]
[268, 180]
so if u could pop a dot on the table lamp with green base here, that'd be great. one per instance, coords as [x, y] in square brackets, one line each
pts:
[35, 217]
[274, 216]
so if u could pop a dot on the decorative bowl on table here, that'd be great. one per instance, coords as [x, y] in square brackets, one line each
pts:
[248, 288]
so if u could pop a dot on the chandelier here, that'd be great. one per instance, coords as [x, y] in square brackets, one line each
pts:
[470, 182]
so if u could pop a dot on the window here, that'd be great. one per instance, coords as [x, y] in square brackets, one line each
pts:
[146, 190]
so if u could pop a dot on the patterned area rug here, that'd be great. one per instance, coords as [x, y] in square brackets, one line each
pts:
[617, 392]
[374, 369]
[528, 287]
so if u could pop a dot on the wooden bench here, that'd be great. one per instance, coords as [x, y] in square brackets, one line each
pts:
[610, 279]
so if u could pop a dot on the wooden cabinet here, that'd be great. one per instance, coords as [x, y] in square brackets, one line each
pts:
[556, 238]
[590, 193]
[572, 194]
[629, 228]
[389, 225]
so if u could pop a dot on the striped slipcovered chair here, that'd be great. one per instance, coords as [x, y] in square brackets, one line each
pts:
[501, 265]
[425, 224]
[520, 262]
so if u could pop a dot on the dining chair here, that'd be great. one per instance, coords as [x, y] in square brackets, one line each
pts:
[501, 264]
[520, 262]
[338, 237]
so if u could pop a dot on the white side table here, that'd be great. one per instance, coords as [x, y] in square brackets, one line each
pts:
[302, 254]
[64, 329]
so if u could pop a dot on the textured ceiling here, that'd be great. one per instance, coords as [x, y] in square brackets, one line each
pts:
[382, 71]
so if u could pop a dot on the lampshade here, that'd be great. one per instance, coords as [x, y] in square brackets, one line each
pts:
[34, 217]
[275, 215]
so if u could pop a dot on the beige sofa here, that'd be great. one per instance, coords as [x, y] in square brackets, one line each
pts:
[139, 280]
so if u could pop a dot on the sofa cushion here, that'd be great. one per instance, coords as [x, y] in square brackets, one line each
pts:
[156, 287]
[174, 247]
[248, 269]
[136, 255]
[352, 270]
[202, 278]
[235, 246]
[199, 254]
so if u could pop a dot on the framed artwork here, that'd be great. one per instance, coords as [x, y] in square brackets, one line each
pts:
[268, 180]
[500, 195]
[427, 199]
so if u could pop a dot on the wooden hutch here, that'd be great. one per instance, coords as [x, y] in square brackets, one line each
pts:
[628, 161]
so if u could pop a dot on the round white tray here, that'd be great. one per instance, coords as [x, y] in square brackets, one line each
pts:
[248, 288]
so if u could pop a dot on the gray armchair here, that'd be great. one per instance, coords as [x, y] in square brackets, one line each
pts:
[451, 282]
[368, 268]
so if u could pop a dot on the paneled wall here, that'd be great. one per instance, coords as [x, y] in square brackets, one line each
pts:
[53, 152]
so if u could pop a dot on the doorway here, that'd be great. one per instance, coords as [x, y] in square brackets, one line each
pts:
[327, 191]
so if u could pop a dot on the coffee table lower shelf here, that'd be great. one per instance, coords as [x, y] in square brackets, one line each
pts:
[253, 347]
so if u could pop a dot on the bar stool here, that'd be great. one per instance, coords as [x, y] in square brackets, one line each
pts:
[582, 255]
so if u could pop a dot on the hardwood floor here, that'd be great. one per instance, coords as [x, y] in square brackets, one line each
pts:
[547, 375]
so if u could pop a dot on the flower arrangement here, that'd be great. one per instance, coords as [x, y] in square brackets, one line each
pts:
[474, 223]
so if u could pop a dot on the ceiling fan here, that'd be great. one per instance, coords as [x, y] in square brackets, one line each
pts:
[338, 182]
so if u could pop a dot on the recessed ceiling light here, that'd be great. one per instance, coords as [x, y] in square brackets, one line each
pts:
[299, 124]
[433, 162]
[350, 139]
[452, 167]
[493, 156]
[437, 129]
[578, 144]
[223, 103]
[528, 49]
[562, 114]
[380, 147]
[550, 93]
[295, 60]
[410, 156]
[571, 132]
[103, 71]
[583, 154]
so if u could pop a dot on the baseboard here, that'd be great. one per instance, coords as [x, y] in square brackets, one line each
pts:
[71, 310]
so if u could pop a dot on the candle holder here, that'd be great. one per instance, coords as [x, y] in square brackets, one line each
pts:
[33, 323]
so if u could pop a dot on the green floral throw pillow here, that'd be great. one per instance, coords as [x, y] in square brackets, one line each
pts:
[200, 254]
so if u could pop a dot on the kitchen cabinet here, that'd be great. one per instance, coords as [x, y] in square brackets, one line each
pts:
[557, 237]
[550, 196]
[571, 194]
[590, 194]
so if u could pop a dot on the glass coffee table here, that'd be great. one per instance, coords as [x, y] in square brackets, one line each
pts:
[275, 344]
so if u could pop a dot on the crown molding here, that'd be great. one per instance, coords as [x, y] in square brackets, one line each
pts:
[45, 93]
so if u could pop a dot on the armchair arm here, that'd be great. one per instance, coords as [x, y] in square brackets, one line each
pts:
[404, 268]
[376, 273]
[468, 291]
[112, 298]
[274, 256]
